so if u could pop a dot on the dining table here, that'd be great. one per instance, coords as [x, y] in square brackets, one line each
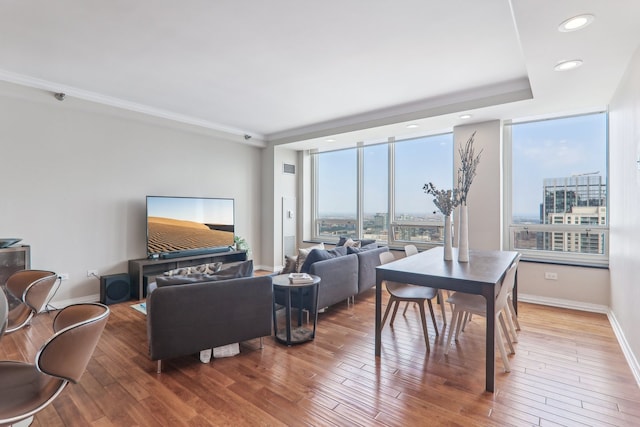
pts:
[481, 275]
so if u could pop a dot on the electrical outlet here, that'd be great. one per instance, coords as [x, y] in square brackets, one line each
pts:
[92, 273]
[63, 276]
[550, 276]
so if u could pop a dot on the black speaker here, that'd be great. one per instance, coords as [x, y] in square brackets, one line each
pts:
[115, 288]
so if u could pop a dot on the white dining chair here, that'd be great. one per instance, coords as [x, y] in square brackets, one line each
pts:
[410, 250]
[399, 292]
[475, 304]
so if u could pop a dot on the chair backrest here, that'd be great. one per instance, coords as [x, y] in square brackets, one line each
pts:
[410, 250]
[4, 312]
[507, 285]
[77, 332]
[32, 287]
[386, 257]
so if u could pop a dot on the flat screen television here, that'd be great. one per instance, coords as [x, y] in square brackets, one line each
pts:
[181, 226]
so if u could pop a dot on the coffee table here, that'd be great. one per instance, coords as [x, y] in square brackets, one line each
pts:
[300, 334]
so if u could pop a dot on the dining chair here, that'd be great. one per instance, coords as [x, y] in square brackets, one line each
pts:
[27, 388]
[4, 312]
[32, 288]
[410, 250]
[399, 292]
[476, 304]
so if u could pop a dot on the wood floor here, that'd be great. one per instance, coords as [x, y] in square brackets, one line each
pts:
[568, 370]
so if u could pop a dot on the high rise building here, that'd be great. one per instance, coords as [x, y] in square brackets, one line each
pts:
[578, 200]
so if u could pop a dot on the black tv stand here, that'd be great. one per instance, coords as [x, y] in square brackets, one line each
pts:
[141, 269]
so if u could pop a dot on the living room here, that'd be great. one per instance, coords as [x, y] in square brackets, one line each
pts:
[80, 170]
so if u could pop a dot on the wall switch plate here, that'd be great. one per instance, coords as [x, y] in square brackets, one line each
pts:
[550, 276]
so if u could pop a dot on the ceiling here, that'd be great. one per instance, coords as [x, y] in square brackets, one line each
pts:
[293, 71]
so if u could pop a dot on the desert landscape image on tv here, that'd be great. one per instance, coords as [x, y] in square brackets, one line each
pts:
[185, 224]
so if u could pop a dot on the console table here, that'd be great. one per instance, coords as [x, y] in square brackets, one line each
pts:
[139, 269]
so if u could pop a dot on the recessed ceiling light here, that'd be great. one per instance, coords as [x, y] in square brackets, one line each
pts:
[465, 116]
[412, 126]
[576, 23]
[330, 140]
[568, 65]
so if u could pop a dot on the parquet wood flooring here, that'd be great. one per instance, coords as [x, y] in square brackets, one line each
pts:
[568, 370]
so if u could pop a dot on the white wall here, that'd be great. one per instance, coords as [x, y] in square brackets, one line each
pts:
[624, 197]
[485, 196]
[75, 177]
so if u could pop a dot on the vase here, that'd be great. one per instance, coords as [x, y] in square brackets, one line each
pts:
[463, 235]
[448, 250]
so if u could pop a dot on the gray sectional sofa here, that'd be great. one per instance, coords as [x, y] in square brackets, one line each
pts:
[344, 276]
[186, 318]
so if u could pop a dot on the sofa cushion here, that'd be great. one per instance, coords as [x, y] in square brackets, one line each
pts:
[303, 253]
[241, 269]
[355, 249]
[363, 242]
[321, 255]
[289, 264]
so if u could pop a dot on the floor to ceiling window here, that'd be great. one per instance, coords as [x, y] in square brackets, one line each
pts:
[376, 191]
[559, 197]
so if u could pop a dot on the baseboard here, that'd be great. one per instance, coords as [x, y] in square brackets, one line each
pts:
[563, 303]
[632, 361]
[626, 349]
[62, 303]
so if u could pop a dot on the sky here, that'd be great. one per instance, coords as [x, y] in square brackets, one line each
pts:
[555, 149]
[418, 161]
[543, 149]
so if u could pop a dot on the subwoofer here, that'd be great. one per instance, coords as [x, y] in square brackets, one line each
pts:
[115, 288]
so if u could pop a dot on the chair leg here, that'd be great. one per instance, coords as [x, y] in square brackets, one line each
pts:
[514, 316]
[159, 369]
[395, 310]
[386, 312]
[441, 302]
[505, 331]
[433, 317]
[424, 326]
[512, 328]
[462, 320]
[454, 318]
[404, 312]
[503, 353]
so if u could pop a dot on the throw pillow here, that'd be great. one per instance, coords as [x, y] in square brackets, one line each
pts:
[352, 243]
[289, 264]
[303, 253]
[210, 268]
[241, 269]
[321, 255]
[355, 250]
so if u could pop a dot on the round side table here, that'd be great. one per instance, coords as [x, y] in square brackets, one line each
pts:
[300, 334]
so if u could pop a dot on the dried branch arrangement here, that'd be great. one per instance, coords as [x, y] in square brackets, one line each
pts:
[467, 170]
[445, 200]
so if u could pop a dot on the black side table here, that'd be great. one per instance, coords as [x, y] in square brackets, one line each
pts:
[300, 334]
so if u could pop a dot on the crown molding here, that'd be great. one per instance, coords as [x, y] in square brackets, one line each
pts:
[230, 133]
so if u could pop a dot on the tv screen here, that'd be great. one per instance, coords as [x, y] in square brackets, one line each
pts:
[188, 224]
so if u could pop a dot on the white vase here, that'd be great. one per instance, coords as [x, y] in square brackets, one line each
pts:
[448, 251]
[463, 235]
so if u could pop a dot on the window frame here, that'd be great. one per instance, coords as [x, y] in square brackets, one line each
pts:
[393, 224]
[511, 229]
